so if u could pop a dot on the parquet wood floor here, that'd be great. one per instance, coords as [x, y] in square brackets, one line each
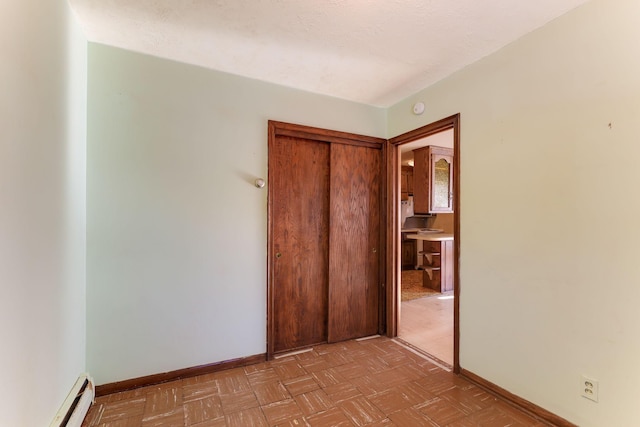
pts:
[373, 382]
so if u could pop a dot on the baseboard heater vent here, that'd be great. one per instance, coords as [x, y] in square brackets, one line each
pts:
[77, 404]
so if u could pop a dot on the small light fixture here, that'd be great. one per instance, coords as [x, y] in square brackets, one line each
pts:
[418, 108]
[259, 183]
[410, 163]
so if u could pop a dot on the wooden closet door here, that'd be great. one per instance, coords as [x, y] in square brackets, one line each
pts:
[354, 242]
[299, 242]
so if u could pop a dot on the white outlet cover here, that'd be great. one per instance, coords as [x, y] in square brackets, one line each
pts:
[589, 388]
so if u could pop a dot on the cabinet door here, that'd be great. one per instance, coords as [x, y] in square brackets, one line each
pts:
[354, 242]
[433, 180]
[408, 254]
[441, 182]
[421, 181]
[406, 180]
[300, 233]
[404, 194]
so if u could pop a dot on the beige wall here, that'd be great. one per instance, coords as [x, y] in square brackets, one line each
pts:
[42, 209]
[549, 153]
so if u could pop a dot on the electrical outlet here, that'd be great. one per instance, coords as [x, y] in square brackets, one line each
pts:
[589, 388]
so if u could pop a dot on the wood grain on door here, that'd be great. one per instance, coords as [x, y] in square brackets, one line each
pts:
[300, 242]
[324, 236]
[354, 245]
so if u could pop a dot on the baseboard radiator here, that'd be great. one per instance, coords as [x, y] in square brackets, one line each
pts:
[77, 403]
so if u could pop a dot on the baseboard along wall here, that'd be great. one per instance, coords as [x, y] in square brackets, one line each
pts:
[517, 401]
[119, 386]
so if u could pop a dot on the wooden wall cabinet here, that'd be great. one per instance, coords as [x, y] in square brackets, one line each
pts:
[433, 180]
[406, 182]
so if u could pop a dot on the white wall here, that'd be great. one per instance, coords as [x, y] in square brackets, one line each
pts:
[177, 232]
[42, 209]
[550, 150]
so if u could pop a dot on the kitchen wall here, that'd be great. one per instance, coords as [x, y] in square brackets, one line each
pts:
[441, 221]
[177, 232]
[42, 209]
[549, 152]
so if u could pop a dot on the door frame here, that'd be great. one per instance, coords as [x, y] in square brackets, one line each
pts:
[275, 129]
[393, 229]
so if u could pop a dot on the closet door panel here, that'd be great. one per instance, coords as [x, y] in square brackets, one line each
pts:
[299, 186]
[354, 241]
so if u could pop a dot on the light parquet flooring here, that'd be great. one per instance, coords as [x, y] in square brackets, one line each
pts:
[427, 323]
[373, 382]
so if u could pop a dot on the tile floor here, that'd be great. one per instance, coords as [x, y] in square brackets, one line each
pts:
[373, 382]
[427, 323]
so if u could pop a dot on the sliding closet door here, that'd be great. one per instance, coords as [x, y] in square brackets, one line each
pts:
[354, 241]
[299, 189]
[324, 236]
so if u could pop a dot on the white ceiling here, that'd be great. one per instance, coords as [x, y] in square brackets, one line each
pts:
[373, 52]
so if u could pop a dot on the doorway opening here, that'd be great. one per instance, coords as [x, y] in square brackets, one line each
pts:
[424, 209]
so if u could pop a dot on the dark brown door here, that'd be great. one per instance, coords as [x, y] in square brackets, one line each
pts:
[324, 236]
[354, 247]
[300, 241]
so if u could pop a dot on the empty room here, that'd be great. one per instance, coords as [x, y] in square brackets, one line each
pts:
[206, 212]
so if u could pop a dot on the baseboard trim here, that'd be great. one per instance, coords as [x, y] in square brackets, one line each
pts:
[517, 401]
[116, 387]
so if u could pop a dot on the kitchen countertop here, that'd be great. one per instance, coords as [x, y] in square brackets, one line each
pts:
[433, 237]
[411, 230]
[415, 230]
